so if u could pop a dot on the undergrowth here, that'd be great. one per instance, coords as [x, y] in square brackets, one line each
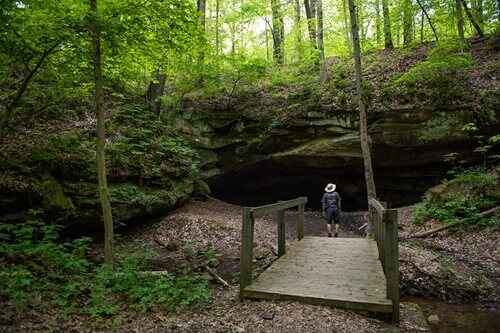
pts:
[38, 272]
[464, 196]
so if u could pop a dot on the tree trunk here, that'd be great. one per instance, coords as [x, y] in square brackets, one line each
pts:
[460, 22]
[321, 47]
[278, 33]
[7, 114]
[217, 41]
[478, 9]
[363, 126]
[201, 5]
[377, 21]
[471, 19]
[346, 27]
[298, 30]
[155, 91]
[101, 161]
[267, 44]
[407, 22]
[387, 25]
[428, 19]
[421, 27]
[308, 4]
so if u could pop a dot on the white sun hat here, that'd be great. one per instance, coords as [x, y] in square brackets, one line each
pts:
[330, 187]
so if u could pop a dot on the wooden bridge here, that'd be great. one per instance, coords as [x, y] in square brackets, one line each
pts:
[352, 273]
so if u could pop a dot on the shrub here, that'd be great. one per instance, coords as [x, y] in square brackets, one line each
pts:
[463, 197]
[439, 80]
[36, 270]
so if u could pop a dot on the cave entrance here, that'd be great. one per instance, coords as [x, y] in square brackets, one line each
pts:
[267, 182]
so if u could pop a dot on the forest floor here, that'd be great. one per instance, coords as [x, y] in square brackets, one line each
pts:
[212, 224]
[213, 227]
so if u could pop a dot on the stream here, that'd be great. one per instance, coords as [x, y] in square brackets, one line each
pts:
[460, 318]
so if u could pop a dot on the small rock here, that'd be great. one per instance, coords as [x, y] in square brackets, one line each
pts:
[268, 315]
[172, 246]
[433, 319]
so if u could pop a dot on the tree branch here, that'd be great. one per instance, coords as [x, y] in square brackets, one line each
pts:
[24, 85]
[424, 234]
[471, 19]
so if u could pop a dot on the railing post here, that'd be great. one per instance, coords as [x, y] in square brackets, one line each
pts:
[300, 224]
[246, 249]
[280, 219]
[391, 253]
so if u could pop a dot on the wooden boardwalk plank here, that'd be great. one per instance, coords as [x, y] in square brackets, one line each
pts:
[343, 272]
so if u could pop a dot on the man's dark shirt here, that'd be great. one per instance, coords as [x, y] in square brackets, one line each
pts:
[330, 200]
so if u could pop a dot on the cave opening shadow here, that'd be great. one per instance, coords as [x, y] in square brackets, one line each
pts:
[265, 183]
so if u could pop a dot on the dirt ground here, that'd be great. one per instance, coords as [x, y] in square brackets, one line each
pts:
[217, 225]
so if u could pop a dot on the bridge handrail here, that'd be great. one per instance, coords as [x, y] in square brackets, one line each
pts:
[247, 232]
[384, 224]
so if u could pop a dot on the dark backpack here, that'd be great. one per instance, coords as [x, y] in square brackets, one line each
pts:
[332, 199]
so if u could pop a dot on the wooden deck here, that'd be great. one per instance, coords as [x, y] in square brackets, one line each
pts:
[342, 272]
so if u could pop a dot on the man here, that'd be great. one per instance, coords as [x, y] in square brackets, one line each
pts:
[331, 207]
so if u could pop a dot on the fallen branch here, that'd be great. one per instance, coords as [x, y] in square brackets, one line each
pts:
[155, 273]
[424, 234]
[216, 276]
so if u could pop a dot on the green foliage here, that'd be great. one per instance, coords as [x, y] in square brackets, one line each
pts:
[142, 292]
[462, 197]
[149, 148]
[65, 153]
[37, 270]
[439, 80]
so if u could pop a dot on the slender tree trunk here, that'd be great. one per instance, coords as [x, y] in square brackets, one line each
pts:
[377, 21]
[321, 47]
[298, 30]
[387, 25]
[421, 27]
[407, 22]
[278, 32]
[12, 105]
[428, 19]
[309, 6]
[478, 9]
[363, 126]
[217, 41]
[101, 161]
[267, 44]
[202, 6]
[471, 19]
[460, 22]
[347, 28]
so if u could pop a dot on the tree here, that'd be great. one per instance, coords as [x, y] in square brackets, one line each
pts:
[278, 32]
[99, 109]
[363, 126]
[298, 30]
[321, 47]
[387, 25]
[377, 21]
[407, 22]
[460, 21]
[424, 12]
[217, 42]
[471, 19]
[310, 14]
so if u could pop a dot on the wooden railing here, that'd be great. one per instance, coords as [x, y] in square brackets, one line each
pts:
[384, 229]
[249, 215]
